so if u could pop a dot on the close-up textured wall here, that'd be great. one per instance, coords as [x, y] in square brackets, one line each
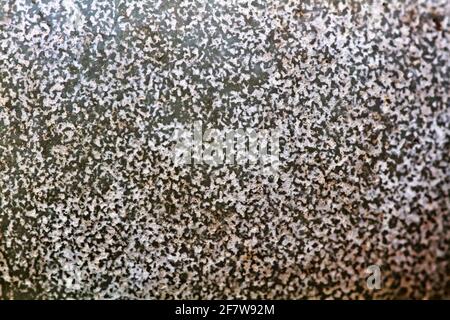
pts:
[93, 203]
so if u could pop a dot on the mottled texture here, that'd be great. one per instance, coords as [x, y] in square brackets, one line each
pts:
[92, 205]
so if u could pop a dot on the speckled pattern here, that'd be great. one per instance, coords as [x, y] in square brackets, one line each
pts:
[92, 205]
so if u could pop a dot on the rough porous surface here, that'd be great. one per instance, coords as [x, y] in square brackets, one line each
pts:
[92, 205]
